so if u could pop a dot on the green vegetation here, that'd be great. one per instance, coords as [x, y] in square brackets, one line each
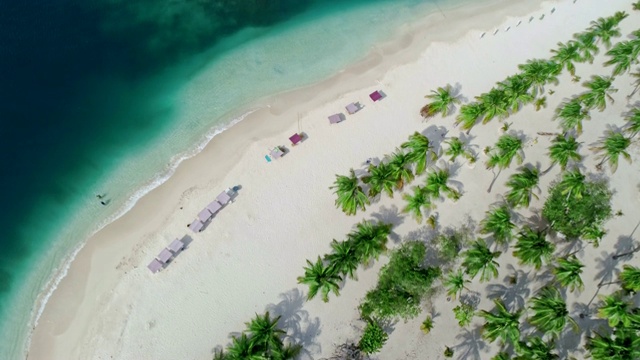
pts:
[563, 149]
[550, 312]
[320, 278]
[498, 223]
[464, 314]
[427, 325]
[418, 202]
[457, 148]
[479, 259]
[501, 324]
[437, 182]
[420, 151]
[442, 102]
[534, 348]
[532, 247]
[455, 282]
[571, 114]
[611, 147]
[373, 338]
[568, 271]
[503, 152]
[522, 185]
[350, 194]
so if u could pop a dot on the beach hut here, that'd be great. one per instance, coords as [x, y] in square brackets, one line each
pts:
[223, 198]
[352, 108]
[164, 256]
[295, 139]
[335, 118]
[196, 226]
[155, 266]
[204, 215]
[175, 246]
[214, 207]
[375, 96]
[276, 152]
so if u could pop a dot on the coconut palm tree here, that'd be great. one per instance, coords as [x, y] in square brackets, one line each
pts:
[400, 163]
[562, 150]
[437, 182]
[457, 148]
[497, 222]
[532, 247]
[586, 46]
[604, 29]
[517, 92]
[633, 123]
[380, 178]
[469, 115]
[600, 89]
[550, 311]
[522, 184]
[571, 114]
[566, 55]
[320, 278]
[534, 348]
[442, 102]
[636, 5]
[630, 278]
[573, 184]
[567, 272]
[242, 349]
[617, 311]
[264, 333]
[501, 323]
[370, 240]
[416, 203]
[464, 314]
[507, 147]
[420, 151]
[501, 356]
[344, 258]
[494, 103]
[350, 194]
[623, 344]
[455, 283]
[611, 148]
[622, 55]
[479, 259]
[540, 72]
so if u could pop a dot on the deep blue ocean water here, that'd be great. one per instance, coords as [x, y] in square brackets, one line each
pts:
[87, 83]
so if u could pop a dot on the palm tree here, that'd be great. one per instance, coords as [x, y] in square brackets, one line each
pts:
[380, 178]
[370, 240]
[605, 29]
[586, 46]
[566, 55]
[265, 334]
[421, 199]
[457, 148]
[501, 356]
[573, 184]
[502, 324]
[532, 247]
[623, 55]
[600, 88]
[469, 115]
[494, 104]
[507, 147]
[443, 101]
[420, 150]
[350, 194]
[522, 184]
[571, 114]
[498, 223]
[344, 258]
[437, 182]
[455, 283]
[479, 259]
[636, 5]
[534, 348]
[399, 162]
[636, 83]
[623, 344]
[567, 273]
[289, 352]
[550, 311]
[516, 90]
[464, 314]
[562, 150]
[320, 278]
[242, 349]
[540, 103]
[611, 147]
[617, 311]
[540, 72]
[633, 123]
[630, 278]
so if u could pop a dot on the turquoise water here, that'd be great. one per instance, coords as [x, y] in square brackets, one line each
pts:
[124, 102]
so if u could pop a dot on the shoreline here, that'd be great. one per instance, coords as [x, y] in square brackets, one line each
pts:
[172, 195]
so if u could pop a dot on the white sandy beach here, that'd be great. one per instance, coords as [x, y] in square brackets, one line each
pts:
[246, 261]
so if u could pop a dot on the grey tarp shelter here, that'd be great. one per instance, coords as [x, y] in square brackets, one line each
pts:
[175, 246]
[196, 226]
[164, 256]
[204, 215]
[223, 198]
[352, 108]
[214, 207]
[155, 266]
[335, 118]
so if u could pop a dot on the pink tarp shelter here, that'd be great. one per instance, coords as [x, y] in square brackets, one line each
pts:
[155, 266]
[164, 256]
[352, 108]
[196, 226]
[223, 198]
[295, 139]
[335, 118]
[375, 96]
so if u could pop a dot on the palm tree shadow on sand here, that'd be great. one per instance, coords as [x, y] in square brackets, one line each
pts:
[514, 290]
[472, 344]
[300, 327]
[390, 215]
